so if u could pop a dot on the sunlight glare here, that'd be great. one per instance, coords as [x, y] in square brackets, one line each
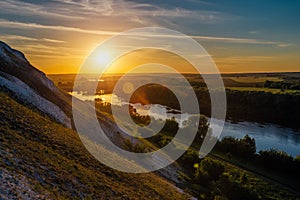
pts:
[103, 58]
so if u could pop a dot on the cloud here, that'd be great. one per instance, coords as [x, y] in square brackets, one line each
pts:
[23, 38]
[246, 59]
[241, 40]
[129, 8]
[13, 24]
[98, 11]
[22, 25]
[47, 51]
[284, 44]
[30, 9]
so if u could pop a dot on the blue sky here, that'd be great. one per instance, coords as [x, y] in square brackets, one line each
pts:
[241, 36]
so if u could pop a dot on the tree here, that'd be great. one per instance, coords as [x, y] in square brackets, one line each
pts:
[171, 126]
[247, 147]
[229, 145]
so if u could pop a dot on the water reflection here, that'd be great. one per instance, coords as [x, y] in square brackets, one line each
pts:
[267, 136]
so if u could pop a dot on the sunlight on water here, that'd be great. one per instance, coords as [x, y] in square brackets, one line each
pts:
[267, 136]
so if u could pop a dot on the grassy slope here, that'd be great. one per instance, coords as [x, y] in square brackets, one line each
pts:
[56, 163]
[264, 188]
[284, 183]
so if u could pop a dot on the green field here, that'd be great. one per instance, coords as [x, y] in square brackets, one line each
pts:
[270, 90]
[255, 79]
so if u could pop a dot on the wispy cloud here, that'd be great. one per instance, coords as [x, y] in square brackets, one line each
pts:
[246, 59]
[98, 11]
[44, 50]
[23, 38]
[129, 8]
[242, 40]
[22, 25]
[13, 24]
[30, 9]
[284, 44]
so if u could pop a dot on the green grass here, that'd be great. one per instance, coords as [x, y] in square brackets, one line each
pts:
[270, 90]
[262, 187]
[265, 184]
[54, 160]
[255, 79]
[283, 184]
[265, 189]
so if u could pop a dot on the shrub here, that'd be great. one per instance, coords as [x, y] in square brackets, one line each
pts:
[234, 190]
[209, 170]
[137, 147]
[189, 158]
[278, 160]
[245, 147]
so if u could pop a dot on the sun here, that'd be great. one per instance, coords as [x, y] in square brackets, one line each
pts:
[103, 58]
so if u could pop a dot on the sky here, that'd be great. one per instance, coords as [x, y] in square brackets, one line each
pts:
[241, 36]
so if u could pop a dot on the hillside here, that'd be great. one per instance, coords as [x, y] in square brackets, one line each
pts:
[41, 158]
[31, 86]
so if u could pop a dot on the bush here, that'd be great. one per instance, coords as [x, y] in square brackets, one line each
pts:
[171, 127]
[245, 147]
[189, 158]
[137, 148]
[208, 170]
[278, 160]
[228, 145]
[234, 190]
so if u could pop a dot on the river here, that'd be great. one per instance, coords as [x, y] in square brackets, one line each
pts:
[266, 136]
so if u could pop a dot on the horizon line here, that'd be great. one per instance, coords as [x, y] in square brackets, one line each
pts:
[225, 73]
